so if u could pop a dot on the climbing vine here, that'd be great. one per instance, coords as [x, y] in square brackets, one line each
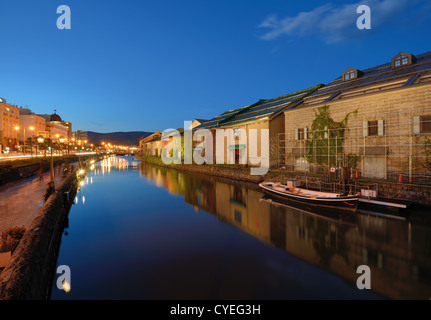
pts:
[326, 138]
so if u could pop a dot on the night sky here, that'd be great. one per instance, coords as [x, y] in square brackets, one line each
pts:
[150, 65]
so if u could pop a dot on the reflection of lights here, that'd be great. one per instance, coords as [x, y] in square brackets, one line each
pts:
[76, 200]
[66, 286]
[92, 167]
[83, 199]
[82, 183]
[91, 180]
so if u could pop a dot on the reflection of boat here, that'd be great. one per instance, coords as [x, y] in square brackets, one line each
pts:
[331, 200]
[318, 212]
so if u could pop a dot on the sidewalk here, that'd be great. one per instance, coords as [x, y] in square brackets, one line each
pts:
[20, 201]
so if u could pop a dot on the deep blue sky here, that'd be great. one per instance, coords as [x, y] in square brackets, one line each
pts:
[150, 65]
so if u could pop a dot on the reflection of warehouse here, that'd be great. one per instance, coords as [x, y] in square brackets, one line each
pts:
[388, 247]
[241, 207]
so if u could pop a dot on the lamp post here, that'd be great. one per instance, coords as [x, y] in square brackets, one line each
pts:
[17, 129]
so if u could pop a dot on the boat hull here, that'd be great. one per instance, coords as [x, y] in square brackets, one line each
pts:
[348, 203]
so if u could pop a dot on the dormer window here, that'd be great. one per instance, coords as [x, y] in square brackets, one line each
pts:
[402, 59]
[350, 74]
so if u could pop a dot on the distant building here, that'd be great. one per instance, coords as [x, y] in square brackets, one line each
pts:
[9, 123]
[80, 136]
[152, 145]
[54, 126]
[31, 125]
[68, 124]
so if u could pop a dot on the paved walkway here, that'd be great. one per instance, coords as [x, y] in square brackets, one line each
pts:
[20, 201]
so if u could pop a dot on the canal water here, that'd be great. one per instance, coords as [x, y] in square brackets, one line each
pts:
[139, 231]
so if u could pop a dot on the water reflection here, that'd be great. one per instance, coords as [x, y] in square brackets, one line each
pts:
[398, 252]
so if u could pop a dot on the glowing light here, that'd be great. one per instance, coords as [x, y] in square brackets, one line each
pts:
[81, 183]
[66, 286]
[81, 171]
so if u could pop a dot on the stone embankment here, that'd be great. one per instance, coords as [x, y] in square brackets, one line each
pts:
[30, 272]
[242, 173]
[418, 194]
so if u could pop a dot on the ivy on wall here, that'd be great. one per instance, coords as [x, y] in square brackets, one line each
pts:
[326, 138]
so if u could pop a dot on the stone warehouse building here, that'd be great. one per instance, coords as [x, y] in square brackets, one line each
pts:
[264, 114]
[377, 121]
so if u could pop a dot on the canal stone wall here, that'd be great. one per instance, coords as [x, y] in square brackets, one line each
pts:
[30, 272]
[242, 174]
[419, 194]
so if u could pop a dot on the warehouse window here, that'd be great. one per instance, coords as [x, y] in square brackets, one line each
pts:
[301, 134]
[373, 128]
[402, 59]
[350, 74]
[425, 124]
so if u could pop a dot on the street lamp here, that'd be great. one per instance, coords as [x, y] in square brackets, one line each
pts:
[17, 129]
[39, 140]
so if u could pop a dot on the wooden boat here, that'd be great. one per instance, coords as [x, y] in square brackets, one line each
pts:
[338, 201]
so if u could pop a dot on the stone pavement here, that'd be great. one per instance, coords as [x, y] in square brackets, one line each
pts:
[20, 201]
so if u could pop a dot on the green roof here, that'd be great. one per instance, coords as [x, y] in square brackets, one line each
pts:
[259, 110]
